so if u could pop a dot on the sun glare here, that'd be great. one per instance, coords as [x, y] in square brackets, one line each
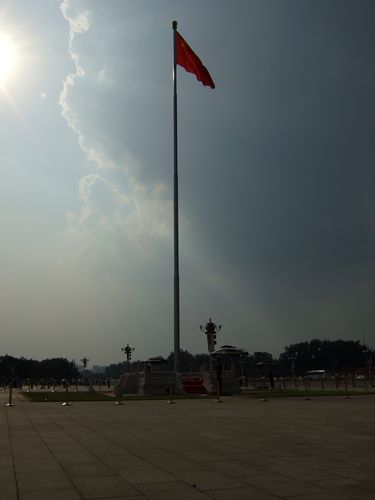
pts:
[7, 57]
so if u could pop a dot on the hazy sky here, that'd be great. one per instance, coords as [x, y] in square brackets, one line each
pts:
[276, 165]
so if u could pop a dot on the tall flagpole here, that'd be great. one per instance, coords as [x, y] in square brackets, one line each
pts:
[175, 213]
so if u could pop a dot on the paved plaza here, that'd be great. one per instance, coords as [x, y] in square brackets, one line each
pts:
[193, 450]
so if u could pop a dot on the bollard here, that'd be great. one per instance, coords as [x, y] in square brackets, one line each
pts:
[118, 402]
[263, 398]
[66, 402]
[10, 403]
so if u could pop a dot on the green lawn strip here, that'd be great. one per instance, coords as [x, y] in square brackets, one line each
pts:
[292, 393]
[43, 397]
[145, 397]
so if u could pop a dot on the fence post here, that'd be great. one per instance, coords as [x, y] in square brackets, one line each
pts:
[170, 400]
[66, 402]
[306, 382]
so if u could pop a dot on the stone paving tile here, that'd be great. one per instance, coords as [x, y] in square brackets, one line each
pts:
[237, 441]
[40, 465]
[281, 485]
[103, 487]
[65, 494]
[300, 472]
[165, 487]
[149, 474]
[178, 464]
[176, 490]
[155, 454]
[104, 450]
[74, 457]
[36, 481]
[6, 460]
[248, 493]
[88, 469]
[200, 455]
[7, 484]
[234, 468]
[253, 459]
[128, 460]
[205, 479]
[354, 489]
[321, 496]
[36, 453]
[171, 491]
[320, 462]
[132, 497]
[5, 447]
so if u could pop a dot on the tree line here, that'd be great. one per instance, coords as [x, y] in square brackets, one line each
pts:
[335, 356]
[23, 368]
[331, 355]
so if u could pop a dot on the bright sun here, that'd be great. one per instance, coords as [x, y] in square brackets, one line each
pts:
[7, 57]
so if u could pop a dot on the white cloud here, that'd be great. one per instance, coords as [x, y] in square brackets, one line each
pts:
[131, 208]
[79, 20]
[103, 75]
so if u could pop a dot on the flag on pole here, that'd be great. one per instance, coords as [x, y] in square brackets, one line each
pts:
[187, 58]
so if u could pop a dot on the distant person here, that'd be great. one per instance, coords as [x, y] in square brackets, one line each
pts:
[219, 375]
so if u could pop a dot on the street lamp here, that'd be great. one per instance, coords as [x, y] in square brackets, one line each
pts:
[210, 330]
[128, 352]
[84, 362]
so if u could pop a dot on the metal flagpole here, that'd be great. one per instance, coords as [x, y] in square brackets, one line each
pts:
[175, 214]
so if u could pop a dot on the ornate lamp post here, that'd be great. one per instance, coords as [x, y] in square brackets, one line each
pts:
[210, 330]
[128, 352]
[84, 362]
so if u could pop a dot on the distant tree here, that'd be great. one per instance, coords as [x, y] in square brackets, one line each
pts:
[263, 357]
[188, 362]
[328, 355]
[114, 370]
[23, 368]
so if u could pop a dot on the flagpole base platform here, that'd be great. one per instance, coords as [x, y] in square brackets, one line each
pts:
[170, 402]
[66, 404]
[10, 404]
[118, 403]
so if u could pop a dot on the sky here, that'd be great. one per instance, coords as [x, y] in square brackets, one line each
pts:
[276, 175]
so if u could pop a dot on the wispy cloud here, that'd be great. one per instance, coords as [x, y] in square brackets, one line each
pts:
[136, 211]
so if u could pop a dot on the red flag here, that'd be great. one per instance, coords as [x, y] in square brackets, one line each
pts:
[187, 58]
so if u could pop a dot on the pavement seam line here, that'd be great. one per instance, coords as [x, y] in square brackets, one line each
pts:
[11, 449]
